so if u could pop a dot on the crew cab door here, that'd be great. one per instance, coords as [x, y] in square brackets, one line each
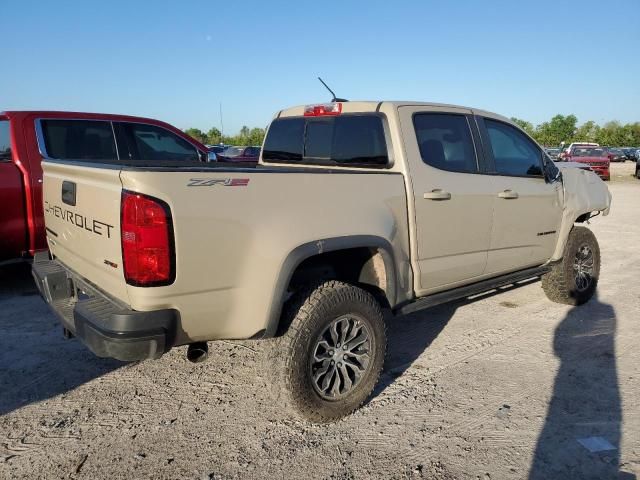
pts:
[452, 199]
[527, 209]
[13, 227]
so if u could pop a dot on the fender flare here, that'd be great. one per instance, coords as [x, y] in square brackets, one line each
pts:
[311, 249]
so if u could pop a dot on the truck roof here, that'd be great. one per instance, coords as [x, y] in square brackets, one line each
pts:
[376, 105]
[63, 114]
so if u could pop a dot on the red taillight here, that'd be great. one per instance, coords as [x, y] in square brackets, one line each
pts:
[322, 109]
[147, 241]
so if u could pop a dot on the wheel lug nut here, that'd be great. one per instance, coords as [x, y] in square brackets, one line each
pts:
[338, 346]
[339, 364]
[332, 362]
[344, 357]
[331, 352]
[345, 347]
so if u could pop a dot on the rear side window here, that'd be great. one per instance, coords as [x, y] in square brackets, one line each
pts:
[148, 142]
[5, 141]
[445, 142]
[346, 140]
[78, 140]
[513, 153]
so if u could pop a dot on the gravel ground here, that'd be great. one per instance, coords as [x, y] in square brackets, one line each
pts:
[500, 386]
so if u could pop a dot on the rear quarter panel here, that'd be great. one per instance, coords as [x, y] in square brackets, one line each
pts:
[232, 241]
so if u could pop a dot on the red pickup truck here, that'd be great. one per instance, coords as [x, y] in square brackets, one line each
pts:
[596, 157]
[26, 138]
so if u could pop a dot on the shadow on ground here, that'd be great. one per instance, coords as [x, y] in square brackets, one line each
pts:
[410, 335]
[586, 400]
[36, 362]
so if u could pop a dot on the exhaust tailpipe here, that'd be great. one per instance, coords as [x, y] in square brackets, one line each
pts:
[198, 352]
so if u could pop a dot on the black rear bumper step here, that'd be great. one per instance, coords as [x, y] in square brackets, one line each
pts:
[105, 327]
[470, 290]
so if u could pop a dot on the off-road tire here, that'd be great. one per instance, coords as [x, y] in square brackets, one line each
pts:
[560, 284]
[308, 314]
[638, 173]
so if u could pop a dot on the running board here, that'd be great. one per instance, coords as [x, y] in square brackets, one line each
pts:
[470, 290]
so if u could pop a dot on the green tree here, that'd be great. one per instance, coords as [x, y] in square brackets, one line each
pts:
[214, 136]
[256, 136]
[587, 132]
[558, 129]
[197, 134]
[611, 134]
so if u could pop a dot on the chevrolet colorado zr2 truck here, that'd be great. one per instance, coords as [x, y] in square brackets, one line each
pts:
[355, 208]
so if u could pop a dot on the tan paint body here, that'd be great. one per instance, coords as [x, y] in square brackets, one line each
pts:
[232, 242]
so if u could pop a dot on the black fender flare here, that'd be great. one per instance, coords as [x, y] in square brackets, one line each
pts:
[310, 249]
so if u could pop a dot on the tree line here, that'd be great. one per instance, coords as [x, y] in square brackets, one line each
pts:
[247, 136]
[560, 128]
[563, 128]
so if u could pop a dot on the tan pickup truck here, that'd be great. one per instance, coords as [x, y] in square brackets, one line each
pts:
[354, 208]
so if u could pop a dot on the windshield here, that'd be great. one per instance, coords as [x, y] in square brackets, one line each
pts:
[590, 152]
[233, 151]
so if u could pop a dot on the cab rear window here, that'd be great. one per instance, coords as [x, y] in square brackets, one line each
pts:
[345, 140]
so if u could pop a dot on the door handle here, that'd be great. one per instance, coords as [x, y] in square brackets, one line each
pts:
[437, 194]
[508, 194]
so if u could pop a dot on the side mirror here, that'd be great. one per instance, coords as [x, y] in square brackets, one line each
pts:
[551, 171]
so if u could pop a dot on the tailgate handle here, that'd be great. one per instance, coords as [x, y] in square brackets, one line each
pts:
[69, 193]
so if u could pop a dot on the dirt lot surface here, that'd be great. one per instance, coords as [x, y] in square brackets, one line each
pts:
[507, 385]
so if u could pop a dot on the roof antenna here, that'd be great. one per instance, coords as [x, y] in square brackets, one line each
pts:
[334, 99]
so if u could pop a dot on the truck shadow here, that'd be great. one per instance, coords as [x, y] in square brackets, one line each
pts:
[410, 335]
[586, 400]
[37, 363]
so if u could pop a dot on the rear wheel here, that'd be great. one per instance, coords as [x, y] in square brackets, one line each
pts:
[574, 279]
[638, 172]
[332, 353]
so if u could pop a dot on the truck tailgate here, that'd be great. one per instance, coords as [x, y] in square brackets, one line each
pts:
[82, 218]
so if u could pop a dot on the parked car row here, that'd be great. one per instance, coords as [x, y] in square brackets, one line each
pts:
[232, 153]
[615, 154]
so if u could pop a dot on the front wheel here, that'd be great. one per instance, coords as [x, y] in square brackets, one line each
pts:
[574, 279]
[332, 353]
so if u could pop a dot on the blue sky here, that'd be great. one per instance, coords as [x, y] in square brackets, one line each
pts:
[177, 61]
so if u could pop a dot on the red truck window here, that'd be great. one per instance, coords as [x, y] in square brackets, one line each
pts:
[79, 140]
[5, 141]
[138, 141]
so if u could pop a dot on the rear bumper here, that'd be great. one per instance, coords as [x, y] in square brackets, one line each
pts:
[104, 326]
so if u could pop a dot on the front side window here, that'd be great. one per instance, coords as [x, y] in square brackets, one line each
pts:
[514, 154]
[346, 140]
[78, 140]
[445, 142]
[148, 142]
[5, 141]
